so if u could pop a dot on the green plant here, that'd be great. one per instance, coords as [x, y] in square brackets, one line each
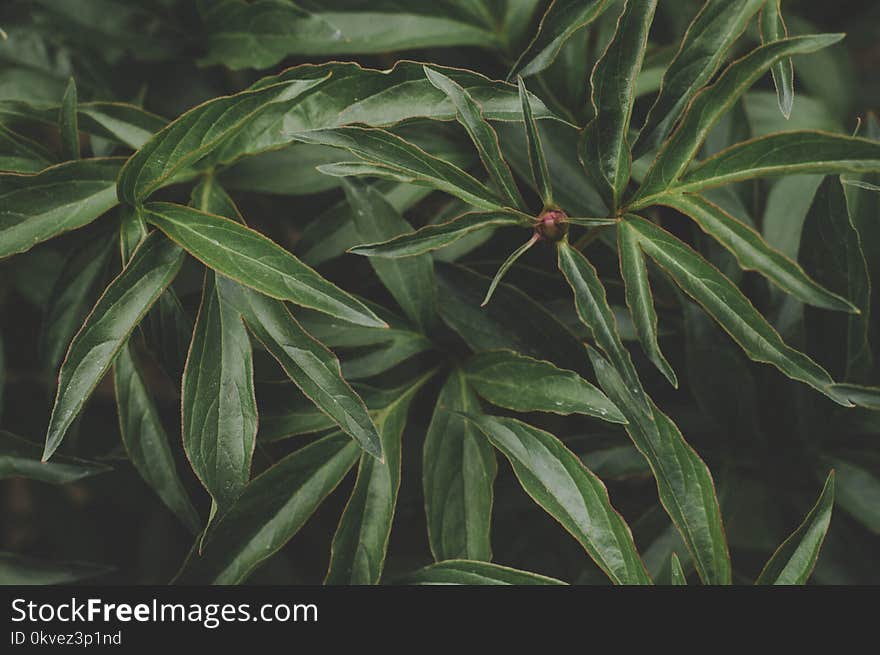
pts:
[628, 163]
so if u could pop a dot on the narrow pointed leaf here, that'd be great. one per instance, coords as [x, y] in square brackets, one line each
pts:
[857, 492]
[562, 20]
[470, 115]
[712, 103]
[410, 281]
[146, 441]
[19, 154]
[684, 482]
[56, 200]
[753, 253]
[678, 576]
[594, 311]
[20, 458]
[67, 122]
[407, 162]
[469, 572]
[308, 363]
[794, 561]
[510, 261]
[219, 411]
[787, 153]
[357, 554]
[18, 569]
[559, 482]
[434, 237]
[605, 149]
[772, 29]
[106, 329]
[458, 473]
[537, 160]
[704, 48]
[270, 511]
[498, 377]
[728, 306]
[248, 257]
[197, 132]
[640, 300]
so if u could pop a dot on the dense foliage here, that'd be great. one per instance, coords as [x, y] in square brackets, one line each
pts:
[389, 291]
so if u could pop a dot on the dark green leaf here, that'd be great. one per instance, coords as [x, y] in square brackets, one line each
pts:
[557, 480]
[678, 576]
[794, 561]
[857, 492]
[313, 368]
[250, 258]
[271, 510]
[498, 377]
[772, 29]
[145, 439]
[605, 145]
[537, 160]
[728, 306]
[67, 123]
[704, 48]
[106, 329]
[708, 107]
[458, 469]
[753, 253]
[20, 458]
[58, 199]
[469, 572]
[505, 266]
[18, 569]
[562, 19]
[640, 300]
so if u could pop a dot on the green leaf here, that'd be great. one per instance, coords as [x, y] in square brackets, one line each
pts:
[75, 291]
[410, 281]
[831, 251]
[678, 576]
[248, 257]
[117, 121]
[357, 555]
[310, 365]
[795, 559]
[788, 153]
[684, 482]
[436, 236]
[145, 439]
[562, 20]
[106, 329]
[708, 107]
[728, 306]
[18, 154]
[505, 266]
[772, 29]
[469, 572]
[260, 34]
[498, 377]
[219, 411]
[20, 458]
[270, 511]
[458, 473]
[198, 132]
[388, 155]
[557, 480]
[594, 312]
[703, 49]
[537, 160]
[58, 199]
[857, 492]
[470, 115]
[640, 300]
[67, 123]
[755, 254]
[18, 569]
[605, 149]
